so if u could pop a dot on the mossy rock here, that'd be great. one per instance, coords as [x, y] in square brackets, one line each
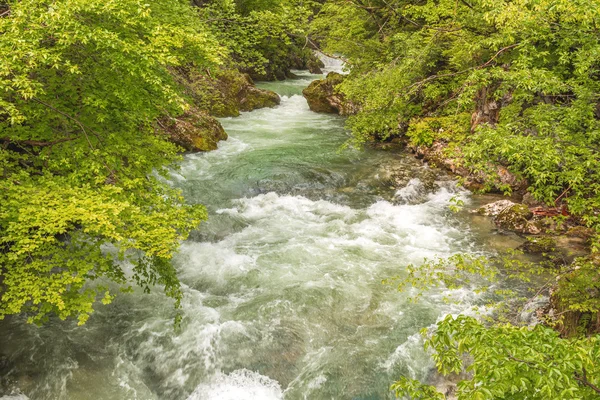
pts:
[514, 218]
[322, 96]
[224, 92]
[581, 232]
[193, 131]
[539, 244]
[250, 97]
[240, 94]
[314, 66]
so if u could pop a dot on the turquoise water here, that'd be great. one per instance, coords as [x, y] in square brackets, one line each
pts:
[283, 286]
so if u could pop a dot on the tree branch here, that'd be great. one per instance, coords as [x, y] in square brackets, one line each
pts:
[69, 117]
[466, 4]
[484, 65]
[583, 380]
[6, 12]
[87, 138]
[38, 143]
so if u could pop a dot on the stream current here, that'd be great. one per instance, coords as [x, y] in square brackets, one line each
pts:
[283, 285]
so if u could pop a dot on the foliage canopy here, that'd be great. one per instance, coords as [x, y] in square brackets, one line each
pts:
[81, 85]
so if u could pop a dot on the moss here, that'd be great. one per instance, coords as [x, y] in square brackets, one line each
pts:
[514, 218]
[540, 244]
[193, 131]
[322, 96]
[224, 92]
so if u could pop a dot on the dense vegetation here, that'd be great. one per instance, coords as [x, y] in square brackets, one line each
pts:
[82, 86]
[515, 82]
[511, 83]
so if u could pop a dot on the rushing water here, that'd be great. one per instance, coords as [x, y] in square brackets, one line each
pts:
[283, 286]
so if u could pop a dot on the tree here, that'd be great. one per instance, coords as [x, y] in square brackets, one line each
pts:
[81, 199]
[509, 362]
[265, 37]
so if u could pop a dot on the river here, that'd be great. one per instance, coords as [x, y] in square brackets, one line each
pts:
[283, 286]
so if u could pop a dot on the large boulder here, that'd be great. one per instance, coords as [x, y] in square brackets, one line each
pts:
[515, 218]
[224, 93]
[194, 131]
[495, 208]
[250, 97]
[322, 96]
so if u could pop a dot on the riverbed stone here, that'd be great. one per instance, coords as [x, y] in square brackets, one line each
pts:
[495, 208]
[539, 244]
[323, 97]
[194, 131]
[514, 218]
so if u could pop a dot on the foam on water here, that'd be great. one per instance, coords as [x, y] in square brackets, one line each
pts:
[238, 385]
[331, 64]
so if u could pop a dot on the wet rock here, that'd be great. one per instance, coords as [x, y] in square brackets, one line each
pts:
[314, 66]
[538, 245]
[323, 97]
[581, 232]
[438, 155]
[532, 312]
[291, 75]
[495, 208]
[224, 93]
[398, 176]
[251, 98]
[515, 218]
[194, 131]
